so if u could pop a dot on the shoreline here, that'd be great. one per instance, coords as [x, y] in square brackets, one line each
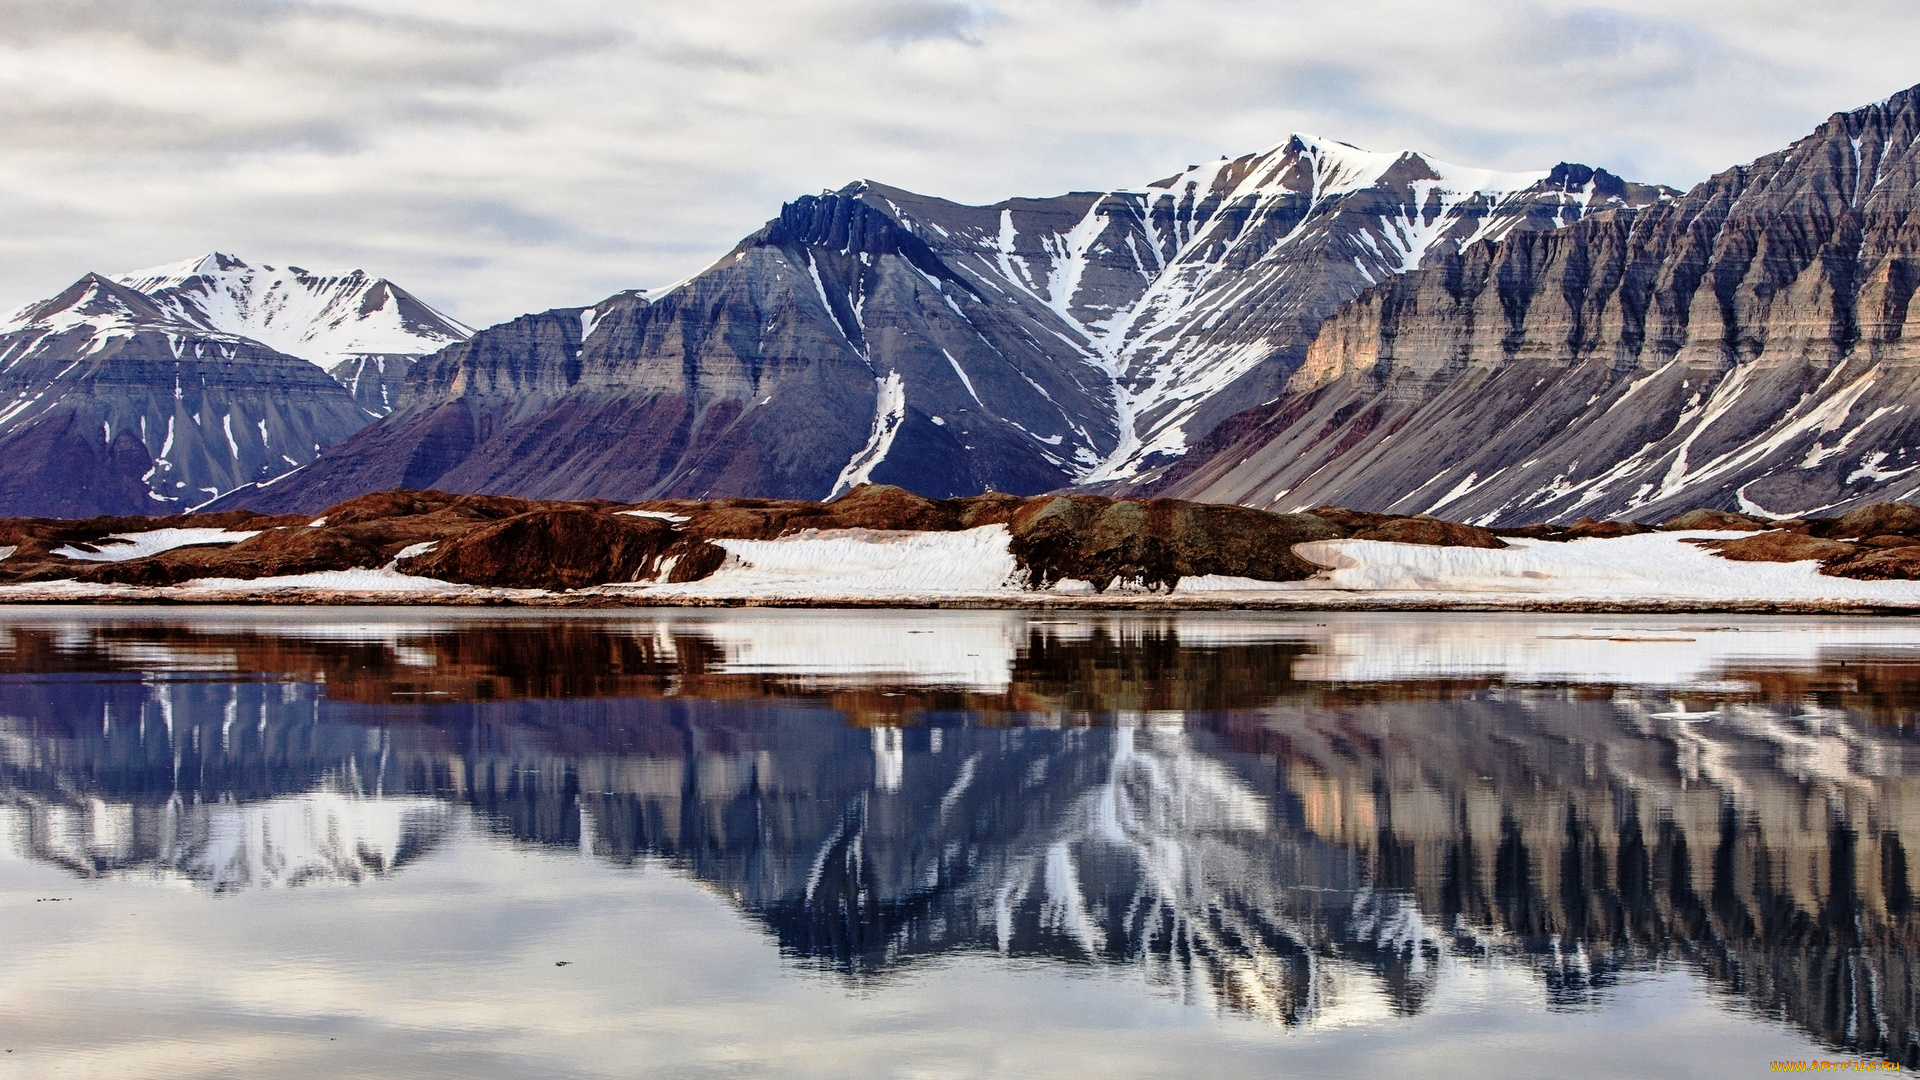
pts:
[1305, 601]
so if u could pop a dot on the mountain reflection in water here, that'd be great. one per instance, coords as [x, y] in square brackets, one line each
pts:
[1295, 818]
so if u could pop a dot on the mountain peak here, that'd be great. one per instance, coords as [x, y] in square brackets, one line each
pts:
[153, 277]
[93, 300]
[325, 317]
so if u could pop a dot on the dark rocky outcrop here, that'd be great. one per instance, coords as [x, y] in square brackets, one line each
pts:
[1431, 531]
[1778, 546]
[1877, 564]
[1150, 544]
[1876, 519]
[567, 548]
[1366, 525]
[1876, 542]
[1156, 543]
[522, 543]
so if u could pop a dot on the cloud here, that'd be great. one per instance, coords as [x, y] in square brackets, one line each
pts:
[497, 157]
[904, 21]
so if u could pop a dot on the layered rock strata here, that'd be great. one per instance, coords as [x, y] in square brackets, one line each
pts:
[1747, 347]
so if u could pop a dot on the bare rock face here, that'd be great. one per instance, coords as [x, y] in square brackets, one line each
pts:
[1748, 347]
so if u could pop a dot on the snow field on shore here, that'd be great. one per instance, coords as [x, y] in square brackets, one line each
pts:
[1651, 566]
[862, 565]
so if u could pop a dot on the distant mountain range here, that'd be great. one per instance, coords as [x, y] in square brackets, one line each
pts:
[1312, 323]
[871, 334]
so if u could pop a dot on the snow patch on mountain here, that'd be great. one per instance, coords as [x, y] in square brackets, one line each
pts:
[890, 410]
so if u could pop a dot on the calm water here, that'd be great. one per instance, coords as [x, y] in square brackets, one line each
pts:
[384, 843]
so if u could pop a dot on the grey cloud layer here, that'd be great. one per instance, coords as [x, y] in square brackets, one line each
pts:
[500, 156]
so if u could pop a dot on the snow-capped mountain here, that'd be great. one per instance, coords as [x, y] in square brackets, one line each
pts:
[365, 331]
[1748, 346]
[323, 317]
[157, 391]
[872, 334]
[1238, 262]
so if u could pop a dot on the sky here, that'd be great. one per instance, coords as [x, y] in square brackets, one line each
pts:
[497, 156]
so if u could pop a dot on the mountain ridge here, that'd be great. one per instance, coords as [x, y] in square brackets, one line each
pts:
[1748, 346]
[874, 334]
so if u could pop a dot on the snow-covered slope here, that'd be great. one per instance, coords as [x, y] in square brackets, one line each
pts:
[1196, 296]
[324, 317]
[1260, 249]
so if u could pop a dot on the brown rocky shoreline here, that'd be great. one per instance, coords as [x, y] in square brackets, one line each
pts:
[1130, 553]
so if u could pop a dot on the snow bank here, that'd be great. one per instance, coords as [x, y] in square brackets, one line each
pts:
[382, 580]
[1216, 583]
[344, 581]
[862, 563]
[139, 545]
[1653, 566]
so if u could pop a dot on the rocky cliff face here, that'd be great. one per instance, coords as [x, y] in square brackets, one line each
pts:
[1749, 346]
[871, 334]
